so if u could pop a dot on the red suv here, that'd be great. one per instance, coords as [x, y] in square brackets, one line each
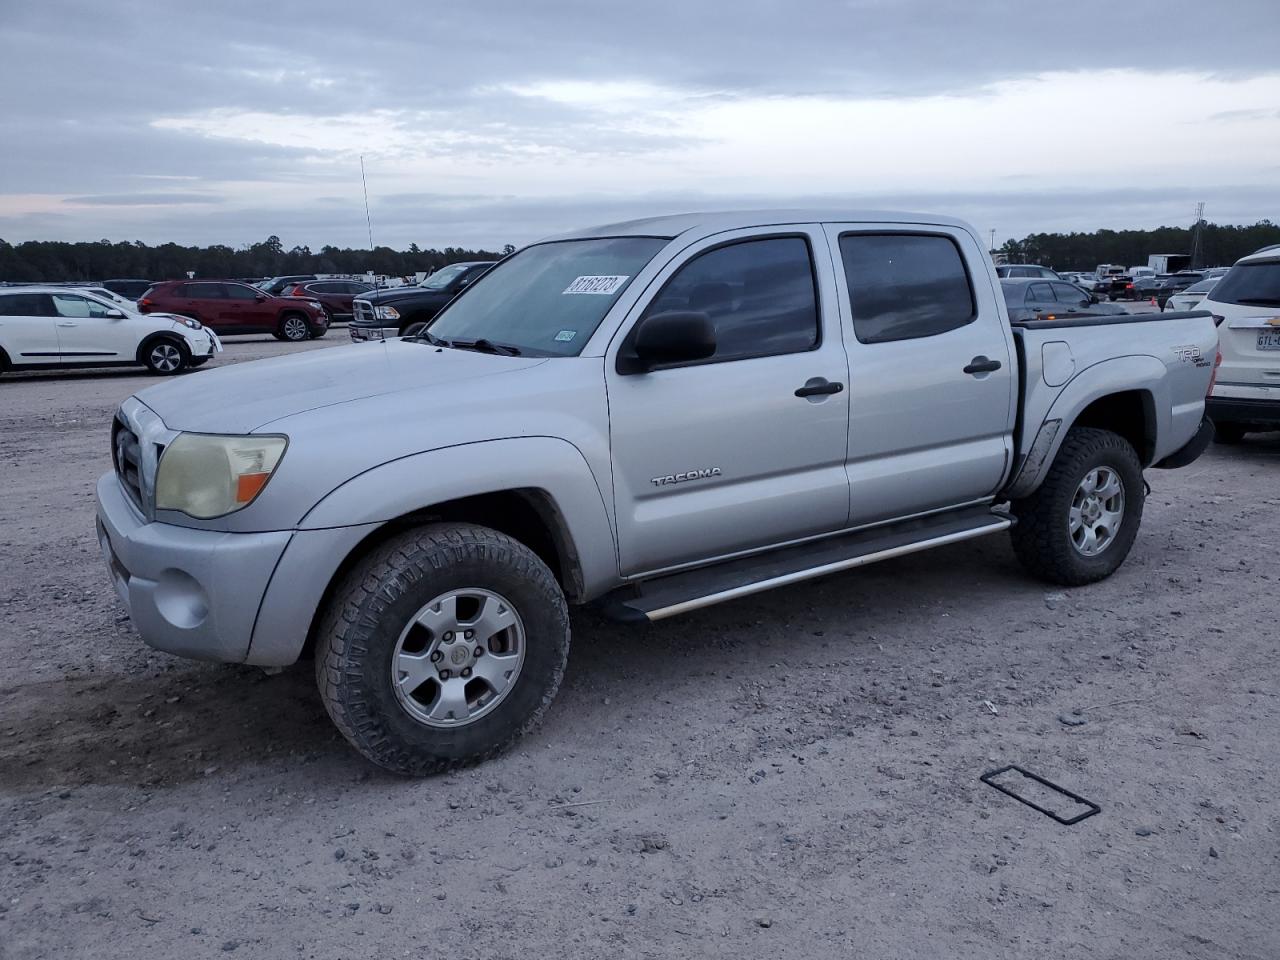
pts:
[335, 295]
[229, 307]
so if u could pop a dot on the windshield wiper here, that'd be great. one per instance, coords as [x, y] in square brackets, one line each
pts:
[484, 346]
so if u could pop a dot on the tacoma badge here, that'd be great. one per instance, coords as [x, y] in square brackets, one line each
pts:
[702, 474]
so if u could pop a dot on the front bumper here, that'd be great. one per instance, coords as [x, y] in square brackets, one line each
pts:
[194, 593]
[359, 333]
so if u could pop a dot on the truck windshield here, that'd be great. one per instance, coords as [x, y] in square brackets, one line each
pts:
[1250, 284]
[547, 299]
[440, 279]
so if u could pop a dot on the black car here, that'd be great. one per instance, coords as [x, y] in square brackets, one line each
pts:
[402, 311]
[276, 286]
[1030, 299]
[129, 289]
[1176, 283]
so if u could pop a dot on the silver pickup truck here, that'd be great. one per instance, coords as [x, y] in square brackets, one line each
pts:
[651, 417]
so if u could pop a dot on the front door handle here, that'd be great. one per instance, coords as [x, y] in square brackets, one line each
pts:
[982, 365]
[68, 324]
[819, 386]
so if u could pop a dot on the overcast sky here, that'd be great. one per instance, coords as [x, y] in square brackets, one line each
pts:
[488, 123]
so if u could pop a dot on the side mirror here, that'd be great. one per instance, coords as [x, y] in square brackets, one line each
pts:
[115, 314]
[677, 336]
[260, 298]
[1093, 298]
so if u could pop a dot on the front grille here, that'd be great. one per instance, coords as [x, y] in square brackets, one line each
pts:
[126, 453]
[363, 310]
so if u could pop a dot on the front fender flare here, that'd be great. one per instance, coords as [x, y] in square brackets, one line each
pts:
[549, 464]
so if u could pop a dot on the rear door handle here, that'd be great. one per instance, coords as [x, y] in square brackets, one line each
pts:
[819, 386]
[68, 324]
[982, 365]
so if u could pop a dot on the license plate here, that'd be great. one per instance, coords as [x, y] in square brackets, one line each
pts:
[1269, 339]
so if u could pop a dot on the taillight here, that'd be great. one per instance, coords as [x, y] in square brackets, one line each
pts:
[144, 303]
[1213, 377]
[1128, 286]
[1217, 321]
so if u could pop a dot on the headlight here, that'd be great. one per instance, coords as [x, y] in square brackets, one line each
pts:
[188, 322]
[207, 476]
[386, 313]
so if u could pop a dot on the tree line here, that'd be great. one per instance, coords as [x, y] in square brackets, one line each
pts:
[57, 261]
[1219, 245]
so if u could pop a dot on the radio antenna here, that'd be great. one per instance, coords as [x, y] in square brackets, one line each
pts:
[368, 218]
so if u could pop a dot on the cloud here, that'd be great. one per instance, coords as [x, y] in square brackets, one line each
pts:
[143, 199]
[515, 119]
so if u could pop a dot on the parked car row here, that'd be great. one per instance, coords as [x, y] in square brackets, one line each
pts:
[51, 327]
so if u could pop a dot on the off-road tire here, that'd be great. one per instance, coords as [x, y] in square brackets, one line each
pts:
[1041, 536]
[362, 624]
[1229, 432]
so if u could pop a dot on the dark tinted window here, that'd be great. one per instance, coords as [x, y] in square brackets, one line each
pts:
[1040, 291]
[356, 287]
[903, 286]
[25, 305]
[759, 294]
[203, 291]
[1066, 293]
[240, 291]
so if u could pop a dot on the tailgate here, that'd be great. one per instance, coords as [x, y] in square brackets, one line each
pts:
[1250, 351]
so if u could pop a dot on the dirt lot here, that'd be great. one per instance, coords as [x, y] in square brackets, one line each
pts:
[793, 775]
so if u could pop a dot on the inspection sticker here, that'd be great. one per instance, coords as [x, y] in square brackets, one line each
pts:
[603, 285]
[564, 336]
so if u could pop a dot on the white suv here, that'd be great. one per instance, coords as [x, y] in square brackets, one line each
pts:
[1246, 395]
[51, 327]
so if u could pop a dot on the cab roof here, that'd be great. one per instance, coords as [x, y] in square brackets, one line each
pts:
[711, 222]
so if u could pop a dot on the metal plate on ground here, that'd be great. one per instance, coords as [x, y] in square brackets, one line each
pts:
[1036, 792]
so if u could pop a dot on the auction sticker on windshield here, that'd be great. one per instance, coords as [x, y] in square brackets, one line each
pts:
[602, 285]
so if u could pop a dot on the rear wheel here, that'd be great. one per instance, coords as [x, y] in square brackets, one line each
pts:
[293, 327]
[1080, 524]
[441, 647]
[165, 357]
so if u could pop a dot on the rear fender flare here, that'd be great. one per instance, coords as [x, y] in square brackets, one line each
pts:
[1138, 372]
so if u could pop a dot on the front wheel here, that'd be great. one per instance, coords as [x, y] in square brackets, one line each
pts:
[294, 329]
[1079, 525]
[165, 357]
[441, 647]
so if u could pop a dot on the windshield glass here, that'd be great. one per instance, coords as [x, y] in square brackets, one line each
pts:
[1251, 284]
[547, 299]
[1204, 286]
[441, 277]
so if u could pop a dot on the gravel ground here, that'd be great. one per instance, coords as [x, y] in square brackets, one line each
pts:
[791, 775]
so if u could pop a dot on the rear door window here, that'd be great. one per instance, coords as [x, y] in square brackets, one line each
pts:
[26, 305]
[1040, 291]
[905, 286]
[204, 291]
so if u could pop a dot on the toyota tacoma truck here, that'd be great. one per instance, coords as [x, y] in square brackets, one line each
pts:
[650, 417]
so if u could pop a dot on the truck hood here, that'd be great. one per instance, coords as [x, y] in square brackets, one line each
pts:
[397, 294]
[249, 396]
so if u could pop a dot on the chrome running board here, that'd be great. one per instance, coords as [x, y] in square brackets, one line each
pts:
[679, 593]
